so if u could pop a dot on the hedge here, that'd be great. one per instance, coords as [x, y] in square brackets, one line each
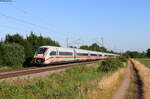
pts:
[12, 54]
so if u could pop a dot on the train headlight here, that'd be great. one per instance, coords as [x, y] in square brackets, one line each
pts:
[39, 60]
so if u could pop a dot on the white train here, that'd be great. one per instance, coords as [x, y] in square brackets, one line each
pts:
[51, 54]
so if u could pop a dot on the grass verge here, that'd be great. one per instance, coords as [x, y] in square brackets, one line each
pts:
[144, 74]
[106, 87]
[5, 67]
[132, 90]
[73, 83]
[145, 61]
[64, 85]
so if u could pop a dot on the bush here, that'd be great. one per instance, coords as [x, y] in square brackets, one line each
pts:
[110, 65]
[30, 44]
[12, 54]
[70, 84]
[122, 58]
[0, 53]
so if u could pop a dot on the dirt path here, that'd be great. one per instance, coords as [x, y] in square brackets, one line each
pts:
[139, 83]
[120, 94]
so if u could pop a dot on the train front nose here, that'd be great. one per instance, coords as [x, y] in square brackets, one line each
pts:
[39, 60]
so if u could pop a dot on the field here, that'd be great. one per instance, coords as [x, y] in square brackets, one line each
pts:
[144, 72]
[145, 61]
[64, 85]
[78, 82]
[5, 67]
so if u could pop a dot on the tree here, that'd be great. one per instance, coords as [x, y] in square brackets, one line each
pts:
[86, 47]
[12, 54]
[72, 47]
[103, 49]
[134, 54]
[1, 53]
[37, 41]
[16, 38]
[30, 44]
[148, 52]
[96, 47]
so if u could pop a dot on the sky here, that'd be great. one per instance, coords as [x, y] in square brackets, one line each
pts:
[122, 24]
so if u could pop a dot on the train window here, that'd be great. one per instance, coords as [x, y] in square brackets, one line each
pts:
[82, 54]
[53, 53]
[99, 55]
[65, 53]
[41, 50]
[93, 54]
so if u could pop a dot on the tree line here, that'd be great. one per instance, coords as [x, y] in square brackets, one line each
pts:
[96, 47]
[17, 51]
[135, 54]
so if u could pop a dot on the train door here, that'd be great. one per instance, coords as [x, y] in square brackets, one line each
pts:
[53, 56]
[74, 54]
[57, 54]
[88, 55]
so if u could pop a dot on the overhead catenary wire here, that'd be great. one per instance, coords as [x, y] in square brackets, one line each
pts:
[29, 14]
[25, 21]
[29, 23]
[50, 29]
[22, 21]
[42, 27]
[14, 28]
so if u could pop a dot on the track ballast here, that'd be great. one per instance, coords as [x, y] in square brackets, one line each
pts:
[18, 73]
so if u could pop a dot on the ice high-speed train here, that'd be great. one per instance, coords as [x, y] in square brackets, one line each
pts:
[51, 54]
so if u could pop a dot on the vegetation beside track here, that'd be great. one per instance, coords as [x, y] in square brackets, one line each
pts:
[112, 64]
[132, 90]
[60, 85]
[144, 72]
[25, 47]
[4, 67]
[145, 61]
[17, 51]
[66, 85]
[106, 87]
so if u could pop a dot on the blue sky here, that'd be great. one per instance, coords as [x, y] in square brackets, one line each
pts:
[124, 24]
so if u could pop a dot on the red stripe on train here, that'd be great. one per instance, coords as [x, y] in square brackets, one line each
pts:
[75, 57]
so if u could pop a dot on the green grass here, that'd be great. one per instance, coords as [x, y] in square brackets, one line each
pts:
[132, 90]
[65, 85]
[145, 61]
[4, 67]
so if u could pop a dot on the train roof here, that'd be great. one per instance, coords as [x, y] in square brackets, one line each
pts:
[80, 50]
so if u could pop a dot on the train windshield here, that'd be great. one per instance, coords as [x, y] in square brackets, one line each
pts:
[41, 50]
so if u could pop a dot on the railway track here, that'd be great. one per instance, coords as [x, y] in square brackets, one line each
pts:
[16, 73]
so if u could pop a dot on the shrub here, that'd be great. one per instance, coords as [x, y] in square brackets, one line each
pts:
[12, 54]
[110, 65]
[122, 58]
[0, 53]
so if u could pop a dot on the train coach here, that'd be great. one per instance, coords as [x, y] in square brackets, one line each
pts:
[51, 54]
